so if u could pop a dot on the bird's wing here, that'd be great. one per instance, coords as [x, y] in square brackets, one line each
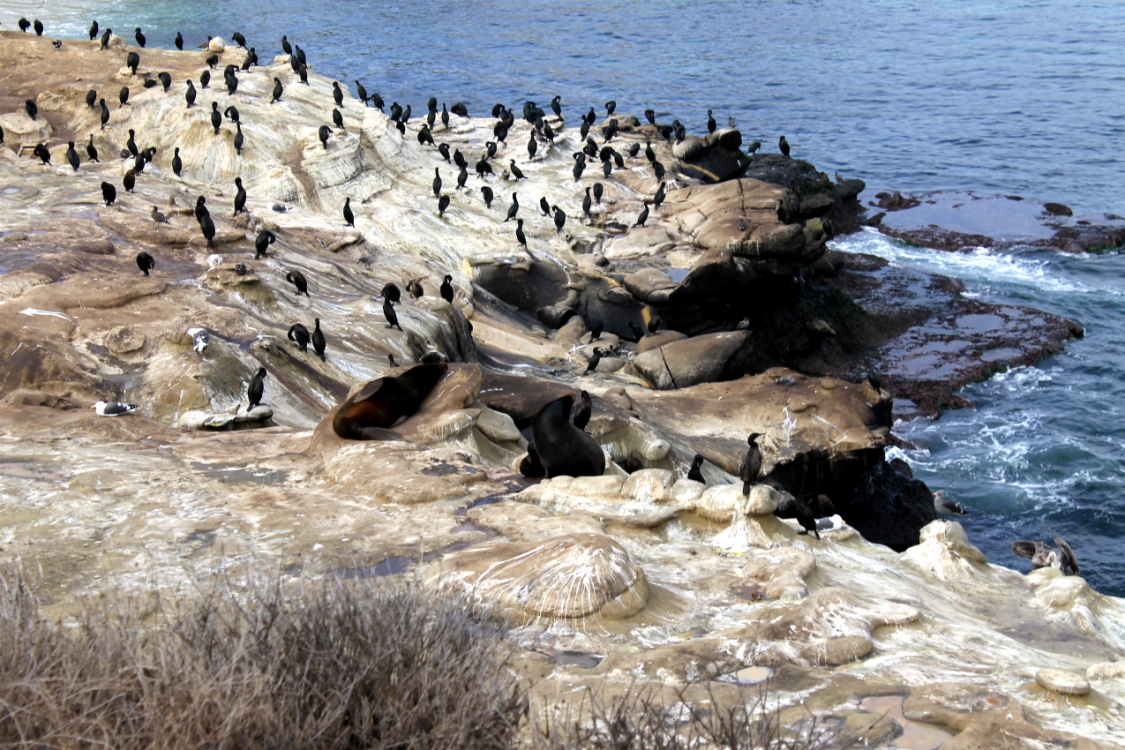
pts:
[1025, 549]
[1069, 561]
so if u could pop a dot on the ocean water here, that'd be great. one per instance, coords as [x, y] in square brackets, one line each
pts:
[1020, 98]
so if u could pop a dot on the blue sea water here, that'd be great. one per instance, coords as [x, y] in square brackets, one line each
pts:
[1011, 97]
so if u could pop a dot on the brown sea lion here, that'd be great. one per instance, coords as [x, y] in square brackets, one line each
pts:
[381, 403]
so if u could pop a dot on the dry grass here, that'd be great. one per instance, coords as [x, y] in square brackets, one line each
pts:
[332, 665]
[335, 666]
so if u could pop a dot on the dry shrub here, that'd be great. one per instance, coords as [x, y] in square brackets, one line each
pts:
[640, 721]
[339, 664]
[335, 665]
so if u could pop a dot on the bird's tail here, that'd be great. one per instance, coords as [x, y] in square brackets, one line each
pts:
[746, 489]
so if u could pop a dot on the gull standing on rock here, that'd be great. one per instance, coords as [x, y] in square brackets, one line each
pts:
[946, 507]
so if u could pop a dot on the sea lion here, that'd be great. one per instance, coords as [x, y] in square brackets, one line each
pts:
[563, 448]
[381, 403]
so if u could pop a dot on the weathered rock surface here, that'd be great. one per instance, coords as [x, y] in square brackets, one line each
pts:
[636, 568]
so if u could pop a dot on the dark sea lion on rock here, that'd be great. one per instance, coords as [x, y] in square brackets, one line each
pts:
[563, 448]
[381, 403]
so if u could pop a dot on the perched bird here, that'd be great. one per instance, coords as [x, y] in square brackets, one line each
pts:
[362, 93]
[38, 26]
[262, 242]
[594, 361]
[800, 509]
[255, 389]
[437, 183]
[200, 339]
[442, 204]
[338, 120]
[278, 90]
[123, 96]
[239, 139]
[447, 288]
[297, 279]
[177, 162]
[337, 94]
[179, 41]
[544, 206]
[643, 217]
[189, 95]
[753, 147]
[784, 146]
[216, 117]
[238, 39]
[711, 124]
[318, 341]
[91, 151]
[751, 465]
[349, 217]
[488, 195]
[105, 112]
[239, 197]
[582, 411]
[587, 202]
[299, 334]
[323, 134]
[42, 153]
[165, 80]
[207, 228]
[659, 197]
[204, 79]
[520, 236]
[390, 315]
[158, 216]
[1044, 556]
[145, 262]
[109, 193]
[139, 36]
[946, 507]
[598, 191]
[392, 292]
[516, 171]
[105, 38]
[596, 331]
[514, 208]
[93, 31]
[129, 180]
[91, 98]
[414, 286]
[132, 60]
[31, 108]
[694, 472]
[560, 219]
[462, 178]
[658, 170]
[112, 408]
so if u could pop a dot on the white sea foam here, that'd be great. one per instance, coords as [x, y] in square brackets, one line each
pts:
[981, 265]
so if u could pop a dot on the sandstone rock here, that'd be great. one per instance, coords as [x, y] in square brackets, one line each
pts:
[649, 485]
[945, 553]
[199, 420]
[124, 339]
[570, 577]
[722, 502]
[1110, 670]
[1063, 681]
[701, 359]
[658, 339]
[497, 427]
[780, 573]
